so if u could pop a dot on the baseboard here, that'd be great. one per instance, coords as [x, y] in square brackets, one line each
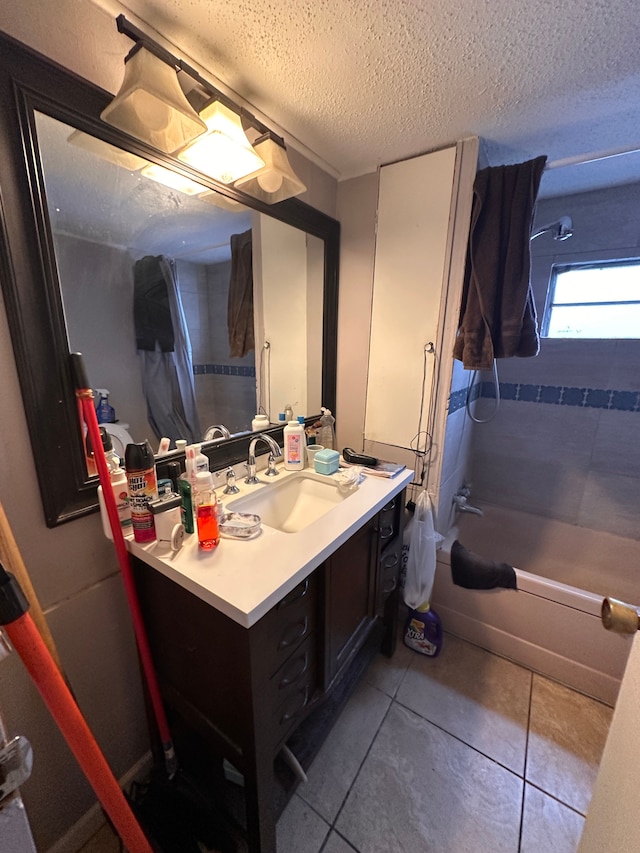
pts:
[92, 820]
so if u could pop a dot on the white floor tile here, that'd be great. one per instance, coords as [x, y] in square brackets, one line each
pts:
[336, 765]
[548, 825]
[300, 829]
[567, 733]
[421, 789]
[475, 695]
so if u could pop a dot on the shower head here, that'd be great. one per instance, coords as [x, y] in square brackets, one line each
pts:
[561, 229]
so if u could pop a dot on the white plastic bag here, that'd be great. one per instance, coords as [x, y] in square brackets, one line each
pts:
[421, 562]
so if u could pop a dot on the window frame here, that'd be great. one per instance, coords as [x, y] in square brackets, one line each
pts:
[564, 266]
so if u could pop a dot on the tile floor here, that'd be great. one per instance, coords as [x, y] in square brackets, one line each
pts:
[464, 752]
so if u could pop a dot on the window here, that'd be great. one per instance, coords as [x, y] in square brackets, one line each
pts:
[600, 300]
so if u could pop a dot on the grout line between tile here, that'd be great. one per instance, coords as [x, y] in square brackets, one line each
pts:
[460, 740]
[557, 799]
[526, 755]
[366, 755]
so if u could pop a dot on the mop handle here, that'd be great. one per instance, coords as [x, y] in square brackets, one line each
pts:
[85, 395]
[42, 668]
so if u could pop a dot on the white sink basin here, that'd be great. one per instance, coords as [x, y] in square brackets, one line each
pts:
[292, 503]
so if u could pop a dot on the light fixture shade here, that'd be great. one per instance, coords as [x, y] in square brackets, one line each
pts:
[224, 153]
[151, 106]
[277, 180]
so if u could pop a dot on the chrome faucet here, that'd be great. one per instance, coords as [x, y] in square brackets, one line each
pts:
[216, 428]
[275, 452]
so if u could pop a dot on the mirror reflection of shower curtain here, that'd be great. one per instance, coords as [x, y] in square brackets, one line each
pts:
[240, 303]
[164, 350]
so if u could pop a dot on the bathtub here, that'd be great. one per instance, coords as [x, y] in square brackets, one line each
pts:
[551, 624]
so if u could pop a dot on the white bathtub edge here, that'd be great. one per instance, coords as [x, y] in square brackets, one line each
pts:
[553, 630]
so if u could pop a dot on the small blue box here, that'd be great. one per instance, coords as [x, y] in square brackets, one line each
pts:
[327, 461]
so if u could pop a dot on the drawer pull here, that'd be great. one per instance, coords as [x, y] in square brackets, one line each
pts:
[388, 507]
[389, 587]
[299, 634]
[386, 532]
[390, 561]
[289, 679]
[290, 599]
[289, 715]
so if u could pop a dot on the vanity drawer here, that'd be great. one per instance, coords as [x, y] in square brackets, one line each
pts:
[287, 625]
[292, 688]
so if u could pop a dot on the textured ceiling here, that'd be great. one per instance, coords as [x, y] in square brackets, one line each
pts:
[366, 82]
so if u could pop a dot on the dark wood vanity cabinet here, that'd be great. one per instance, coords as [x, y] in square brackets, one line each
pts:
[239, 693]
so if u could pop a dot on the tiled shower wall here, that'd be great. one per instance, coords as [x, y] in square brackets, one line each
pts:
[456, 461]
[565, 441]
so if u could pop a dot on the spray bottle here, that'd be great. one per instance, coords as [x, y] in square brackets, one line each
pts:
[326, 432]
[106, 413]
[140, 466]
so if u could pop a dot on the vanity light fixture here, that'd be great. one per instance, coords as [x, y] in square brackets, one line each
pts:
[277, 180]
[151, 106]
[224, 152]
[194, 121]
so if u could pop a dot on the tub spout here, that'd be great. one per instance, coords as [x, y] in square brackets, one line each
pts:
[462, 504]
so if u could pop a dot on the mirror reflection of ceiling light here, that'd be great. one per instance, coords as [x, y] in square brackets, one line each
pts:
[224, 152]
[277, 180]
[106, 151]
[171, 179]
[151, 106]
[222, 201]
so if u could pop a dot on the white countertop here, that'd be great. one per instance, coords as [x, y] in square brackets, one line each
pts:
[245, 578]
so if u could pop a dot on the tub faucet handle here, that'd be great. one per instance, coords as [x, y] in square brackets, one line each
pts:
[462, 504]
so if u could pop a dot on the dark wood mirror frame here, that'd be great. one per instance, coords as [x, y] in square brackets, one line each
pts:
[29, 82]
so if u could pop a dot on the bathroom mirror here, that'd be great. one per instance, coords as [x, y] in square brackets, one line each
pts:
[110, 221]
[74, 225]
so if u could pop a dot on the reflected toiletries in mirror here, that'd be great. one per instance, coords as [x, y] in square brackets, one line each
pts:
[189, 308]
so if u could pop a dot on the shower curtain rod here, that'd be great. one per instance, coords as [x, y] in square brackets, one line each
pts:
[579, 159]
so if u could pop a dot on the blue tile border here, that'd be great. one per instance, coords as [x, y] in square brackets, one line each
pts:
[247, 371]
[555, 395]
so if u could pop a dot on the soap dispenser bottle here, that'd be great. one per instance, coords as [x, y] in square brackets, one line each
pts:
[120, 489]
[106, 413]
[206, 512]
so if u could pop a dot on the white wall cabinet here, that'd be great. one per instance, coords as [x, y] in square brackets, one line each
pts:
[424, 205]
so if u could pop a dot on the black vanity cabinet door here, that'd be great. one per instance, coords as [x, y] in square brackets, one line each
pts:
[349, 581]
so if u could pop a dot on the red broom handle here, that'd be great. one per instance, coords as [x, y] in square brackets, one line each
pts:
[85, 395]
[42, 668]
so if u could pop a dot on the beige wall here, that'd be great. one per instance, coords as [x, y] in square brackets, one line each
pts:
[357, 202]
[73, 567]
